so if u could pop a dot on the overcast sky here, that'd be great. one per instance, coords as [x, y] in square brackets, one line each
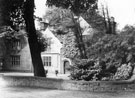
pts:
[122, 10]
[40, 7]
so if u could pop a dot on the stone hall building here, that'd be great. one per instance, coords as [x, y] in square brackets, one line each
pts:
[15, 55]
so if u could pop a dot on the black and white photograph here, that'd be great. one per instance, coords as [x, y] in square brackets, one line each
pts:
[67, 48]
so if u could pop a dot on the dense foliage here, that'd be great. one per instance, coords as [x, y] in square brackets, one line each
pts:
[42, 40]
[85, 69]
[113, 48]
[69, 48]
[16, 15]
[60, 20]
[95, 19]
[124, 72]
[116, 52]
[12, 32]
[13, 12]
[76, 6]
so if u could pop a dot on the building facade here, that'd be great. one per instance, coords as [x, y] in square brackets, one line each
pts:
[52, 59]
[18, 57]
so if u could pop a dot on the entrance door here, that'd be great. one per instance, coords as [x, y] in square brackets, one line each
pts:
[66, 67]
[1, 63]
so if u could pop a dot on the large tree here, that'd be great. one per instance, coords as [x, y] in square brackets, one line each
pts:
[32, 38]
[61, 23]
[27, 6]
[77, 7]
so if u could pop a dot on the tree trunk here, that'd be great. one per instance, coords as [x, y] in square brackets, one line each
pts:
[4, 16]
[32, 39]
[82, 45]
[79, 39]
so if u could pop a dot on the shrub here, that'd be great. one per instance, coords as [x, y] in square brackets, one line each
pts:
[86, 69]
[70, 49]
[123, 72]
[42, 41]
[115, 50]
[114, 54]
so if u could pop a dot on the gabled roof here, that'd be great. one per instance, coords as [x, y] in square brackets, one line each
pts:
[55, 47]
[85, 26]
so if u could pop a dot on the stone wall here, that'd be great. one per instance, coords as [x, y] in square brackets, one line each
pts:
[25, 57]
[29, 81]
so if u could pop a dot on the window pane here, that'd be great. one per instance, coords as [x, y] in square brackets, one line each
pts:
[49, 63]
[15, 60]
[46, 60]
[46, 63]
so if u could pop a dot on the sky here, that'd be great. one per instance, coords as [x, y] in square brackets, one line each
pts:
[40, 7]
[122, 10]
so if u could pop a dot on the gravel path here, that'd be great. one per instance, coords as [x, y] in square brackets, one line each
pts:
[25, 92]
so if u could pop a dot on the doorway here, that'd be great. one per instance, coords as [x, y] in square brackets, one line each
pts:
[66, 67]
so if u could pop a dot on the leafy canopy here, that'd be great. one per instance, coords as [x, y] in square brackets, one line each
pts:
[77, 6]
[60, 20]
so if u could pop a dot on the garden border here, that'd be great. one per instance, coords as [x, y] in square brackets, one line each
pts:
[53, 83]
